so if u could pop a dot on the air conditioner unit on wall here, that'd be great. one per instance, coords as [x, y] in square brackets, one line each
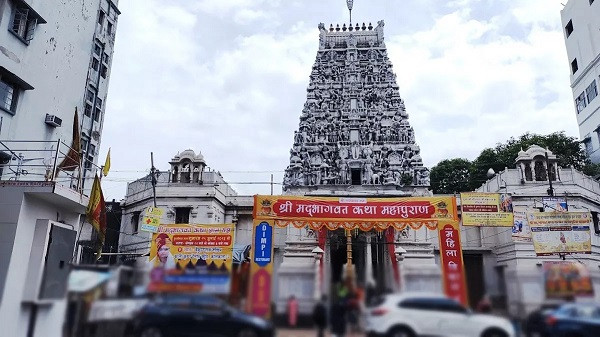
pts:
[53, 120]
[48, 267]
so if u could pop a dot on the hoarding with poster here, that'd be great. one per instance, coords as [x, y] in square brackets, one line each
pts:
[561, 233]
[554, 204]
[355, 213]
[451, 258]
[564, 279]
[521, 231]
[486, 209]
[192, 258]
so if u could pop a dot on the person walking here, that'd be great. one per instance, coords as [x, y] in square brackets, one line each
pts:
[338, 318]
[292, 309]
[319, 316]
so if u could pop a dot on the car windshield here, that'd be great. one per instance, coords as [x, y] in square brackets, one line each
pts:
[580, 311]
[188, 300]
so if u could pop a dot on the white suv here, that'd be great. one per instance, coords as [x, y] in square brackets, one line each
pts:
[423, 314]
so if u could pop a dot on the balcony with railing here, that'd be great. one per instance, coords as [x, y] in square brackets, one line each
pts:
[46, 163]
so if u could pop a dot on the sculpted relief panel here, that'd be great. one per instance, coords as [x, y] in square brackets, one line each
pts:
[354, 125]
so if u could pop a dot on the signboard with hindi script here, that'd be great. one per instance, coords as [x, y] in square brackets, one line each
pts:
[486, 209]
[192, 258]
[560, 232]
[151, 219]
[355, 213]
[451, 259]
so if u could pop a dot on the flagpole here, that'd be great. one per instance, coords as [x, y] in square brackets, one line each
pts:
[152, 172]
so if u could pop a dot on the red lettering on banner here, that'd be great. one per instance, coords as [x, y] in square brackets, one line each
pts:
[452, 264]
[292, 208]
[480, 208]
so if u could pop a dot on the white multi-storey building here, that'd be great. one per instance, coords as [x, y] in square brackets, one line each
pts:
[54, 57]
[581, 23]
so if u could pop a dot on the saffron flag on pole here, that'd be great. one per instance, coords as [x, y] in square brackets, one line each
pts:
[106, 166]
[72, 159]
[96, 214]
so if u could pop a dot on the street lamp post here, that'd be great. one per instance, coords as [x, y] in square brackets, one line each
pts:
[318, 255]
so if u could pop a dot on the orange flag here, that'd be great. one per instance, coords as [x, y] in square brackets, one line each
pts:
[96, 214]
[73, 158]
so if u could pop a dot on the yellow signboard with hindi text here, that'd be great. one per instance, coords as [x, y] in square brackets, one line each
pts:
[486, 209]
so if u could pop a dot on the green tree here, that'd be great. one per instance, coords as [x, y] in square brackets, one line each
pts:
[451, 176]
[448, 176]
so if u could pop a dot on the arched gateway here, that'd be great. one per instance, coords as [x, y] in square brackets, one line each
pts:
[326, 218]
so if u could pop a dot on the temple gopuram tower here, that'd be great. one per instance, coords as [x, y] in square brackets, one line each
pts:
[354, 132]
[354, 140]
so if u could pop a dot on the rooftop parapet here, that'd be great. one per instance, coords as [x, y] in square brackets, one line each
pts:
[357, 36]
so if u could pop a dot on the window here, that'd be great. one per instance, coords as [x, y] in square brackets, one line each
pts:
[135, 221]
[182, 214]
[101, 16]
[434, 304]
[569, 28]
[23, 24]
[109, 28]
[595, 222]
[89, 95]
[9, 93]
[98, 109]
[84, 143]
[580, 102]
[97, 49]
[591, 91]
[88, 110]
[588, 145]
[574, 66]
[105, 58]
[103, 71]
[95, 63]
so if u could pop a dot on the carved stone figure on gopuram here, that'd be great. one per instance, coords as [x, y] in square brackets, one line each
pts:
[354, 128]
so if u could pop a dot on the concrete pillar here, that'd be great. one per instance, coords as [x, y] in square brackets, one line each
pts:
[418, 270]
[368, 261]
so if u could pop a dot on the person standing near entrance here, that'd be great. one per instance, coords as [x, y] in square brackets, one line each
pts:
[338, 317]
[320, 316]
[292, 309]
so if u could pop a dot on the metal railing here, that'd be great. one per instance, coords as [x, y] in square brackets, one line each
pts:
[31, 160]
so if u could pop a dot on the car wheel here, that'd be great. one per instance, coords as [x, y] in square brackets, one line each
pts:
[494, 333]
[401, 332]
[151, 332]
[247, 333]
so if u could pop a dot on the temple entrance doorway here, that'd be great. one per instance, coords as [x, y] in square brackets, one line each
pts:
[368, 256]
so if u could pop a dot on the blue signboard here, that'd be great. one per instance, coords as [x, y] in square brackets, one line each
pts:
[263, 244]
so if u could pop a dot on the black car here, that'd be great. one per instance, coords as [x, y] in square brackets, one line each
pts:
[197, 315]
[535, 324]
[574, 320]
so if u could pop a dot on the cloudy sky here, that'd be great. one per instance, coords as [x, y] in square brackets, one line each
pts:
[228, 78]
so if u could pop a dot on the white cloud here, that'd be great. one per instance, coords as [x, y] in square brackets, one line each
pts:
[486, 85]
